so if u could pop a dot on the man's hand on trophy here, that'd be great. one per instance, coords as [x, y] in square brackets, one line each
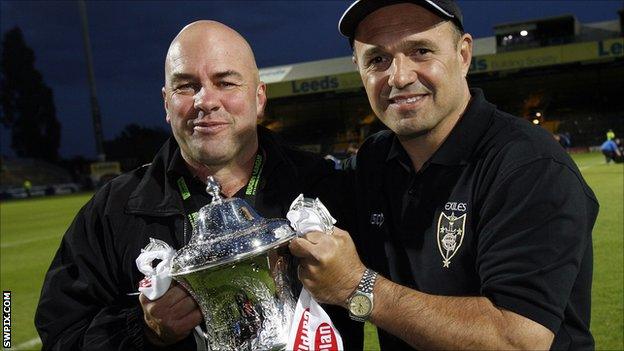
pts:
[171, 317]
[330, 268]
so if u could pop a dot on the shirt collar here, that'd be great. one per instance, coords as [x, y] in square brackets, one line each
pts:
[463, 139]
[397, 152]
[268, 146]
[177, 167]
[465, 136]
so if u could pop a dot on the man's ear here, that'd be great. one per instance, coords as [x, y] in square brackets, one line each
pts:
[166, 104]
[465, 52]
[261, 99]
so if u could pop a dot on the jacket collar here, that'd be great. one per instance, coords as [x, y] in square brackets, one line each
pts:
[157, 193]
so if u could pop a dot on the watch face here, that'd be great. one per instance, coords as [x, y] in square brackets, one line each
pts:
[360, 305]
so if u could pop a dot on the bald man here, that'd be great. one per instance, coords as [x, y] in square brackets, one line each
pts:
[212, 98]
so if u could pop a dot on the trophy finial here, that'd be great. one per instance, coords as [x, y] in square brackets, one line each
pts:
[213, 188]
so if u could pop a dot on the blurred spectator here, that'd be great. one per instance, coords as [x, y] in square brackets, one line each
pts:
[610, 134]
[563, 139]
[620, 146]
[567, 139]
[611, 151]
[27, 187]
[352, 150]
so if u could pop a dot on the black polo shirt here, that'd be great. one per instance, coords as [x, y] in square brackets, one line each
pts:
[500, 210]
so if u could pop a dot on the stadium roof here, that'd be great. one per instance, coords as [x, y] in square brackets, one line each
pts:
[340, 65]
[543, 19]
[305, 70]
[595, 42]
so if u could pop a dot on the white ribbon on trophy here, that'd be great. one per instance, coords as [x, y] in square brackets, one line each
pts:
[157, 279]
[311, 327]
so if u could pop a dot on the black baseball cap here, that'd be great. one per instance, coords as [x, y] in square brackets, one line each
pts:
[361, 8]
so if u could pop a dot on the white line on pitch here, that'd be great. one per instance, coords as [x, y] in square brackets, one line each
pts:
[28, 345]
[590, 165]
[32, 240]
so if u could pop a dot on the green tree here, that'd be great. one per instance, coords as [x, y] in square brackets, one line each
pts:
[27, 102]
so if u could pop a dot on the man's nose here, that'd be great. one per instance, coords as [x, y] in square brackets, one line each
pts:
[402, 72]
[206, 99]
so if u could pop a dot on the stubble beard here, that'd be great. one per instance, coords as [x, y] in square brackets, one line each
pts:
[411, 126]
[214, 154]
[223, 151]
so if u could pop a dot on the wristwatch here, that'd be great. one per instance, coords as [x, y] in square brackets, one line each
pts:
[360, 303]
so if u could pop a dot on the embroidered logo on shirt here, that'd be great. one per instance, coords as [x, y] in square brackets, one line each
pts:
[377, 219]
[455, 206]
[450, 235]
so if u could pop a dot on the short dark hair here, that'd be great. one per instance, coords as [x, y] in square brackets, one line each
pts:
[457, 31]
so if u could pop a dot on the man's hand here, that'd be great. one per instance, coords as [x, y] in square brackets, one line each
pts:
[170, 318]
[330, 268]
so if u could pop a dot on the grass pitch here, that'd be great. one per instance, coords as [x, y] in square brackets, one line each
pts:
[30, 232]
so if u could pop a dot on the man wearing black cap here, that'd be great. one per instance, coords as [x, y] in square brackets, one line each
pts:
[478, 223]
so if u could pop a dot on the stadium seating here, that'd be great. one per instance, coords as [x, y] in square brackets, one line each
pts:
[46, 178]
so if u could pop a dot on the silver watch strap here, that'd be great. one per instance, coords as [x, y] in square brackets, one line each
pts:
[368, 281]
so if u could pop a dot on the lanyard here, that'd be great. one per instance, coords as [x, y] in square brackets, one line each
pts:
[252, 186]
[250, 190]
[186, 201]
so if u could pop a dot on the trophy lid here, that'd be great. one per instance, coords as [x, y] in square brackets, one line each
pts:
[226, 231]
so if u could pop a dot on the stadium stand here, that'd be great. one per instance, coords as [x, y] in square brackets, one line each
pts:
[46, 178]
[565, 75]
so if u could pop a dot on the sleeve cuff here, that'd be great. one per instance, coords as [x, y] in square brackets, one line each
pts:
[528, 310]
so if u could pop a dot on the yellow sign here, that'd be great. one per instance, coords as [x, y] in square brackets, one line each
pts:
[548, 56]
[100, 170]
[343, 81]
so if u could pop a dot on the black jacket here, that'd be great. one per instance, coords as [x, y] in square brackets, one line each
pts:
[84, 301]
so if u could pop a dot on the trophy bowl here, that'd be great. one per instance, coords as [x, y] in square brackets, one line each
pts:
[238, 269]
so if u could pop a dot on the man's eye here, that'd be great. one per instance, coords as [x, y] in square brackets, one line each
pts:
[226, 84]
[377, 60]
[379, 63]
[187, 87]
[423, 51]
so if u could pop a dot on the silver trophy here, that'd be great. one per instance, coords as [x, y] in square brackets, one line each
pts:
[238, 269]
